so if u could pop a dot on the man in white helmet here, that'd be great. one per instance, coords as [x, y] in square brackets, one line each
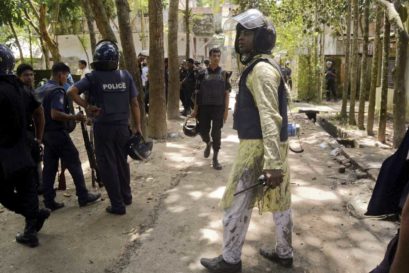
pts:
[260, 118]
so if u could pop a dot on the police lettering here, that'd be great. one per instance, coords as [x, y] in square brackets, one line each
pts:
[114, 86]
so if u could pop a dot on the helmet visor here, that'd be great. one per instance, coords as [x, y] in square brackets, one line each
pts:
[250, 19]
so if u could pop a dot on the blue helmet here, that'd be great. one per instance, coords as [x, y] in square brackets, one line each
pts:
[138, 148]
[106, 56]
[7, 60]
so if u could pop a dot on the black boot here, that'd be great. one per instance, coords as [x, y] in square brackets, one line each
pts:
[219, 265]
[216, 164]
[43, 214]
[206, 152]
[90, 198]
[29, 236]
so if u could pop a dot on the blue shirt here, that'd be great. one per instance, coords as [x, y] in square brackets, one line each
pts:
[112, 91]
[52, 96]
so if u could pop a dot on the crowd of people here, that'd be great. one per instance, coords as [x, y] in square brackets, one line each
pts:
[32, 118]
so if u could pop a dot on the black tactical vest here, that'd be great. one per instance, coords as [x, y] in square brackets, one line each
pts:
[212, 89]
[110, 92]
[246, 115]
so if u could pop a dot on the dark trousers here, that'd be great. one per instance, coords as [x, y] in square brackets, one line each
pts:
[58, 145]
[211, 118]
[18, 193]
[331, 90]
[187, 99]
[111, 155]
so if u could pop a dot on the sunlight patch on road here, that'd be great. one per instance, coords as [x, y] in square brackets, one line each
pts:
[231, 138]
[217, 194]
[173, 198]
[196, 195]
[176, 209]
[315, 194]
[211, 235]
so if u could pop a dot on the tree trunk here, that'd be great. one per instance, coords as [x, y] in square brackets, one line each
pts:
[10, 23]
[51, 44]
[399, 97]
[322, 70]
[173, 59]
[128, 47]
[364, 75]
[157, 100]
[354, 65]
[102, 20]
[374, 73]
[143, 32]
[82, 42]
[347, 62]
[187, 26]
[89, 15]
[384, 93]
[45, 53]
[30, 43]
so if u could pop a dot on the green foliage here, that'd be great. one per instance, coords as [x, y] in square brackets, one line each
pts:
[11, 11]
[262, 5]
[307, 79]
[202, 24]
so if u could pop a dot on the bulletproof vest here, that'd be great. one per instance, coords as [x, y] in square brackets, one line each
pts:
[14, 144]
[246, 116]
[212, 89]
[46, 94]
[110, 91]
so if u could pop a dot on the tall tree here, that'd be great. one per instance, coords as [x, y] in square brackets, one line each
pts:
[40, 14]
[173, 59]
[384, 93]
[354, 65]
[374, 70]
[364, 75]
[102, 20]
[128, 47]
[10, 16]
[89, 15]
[399, 95]
[347, 63]
[157, 100]
[187, 14]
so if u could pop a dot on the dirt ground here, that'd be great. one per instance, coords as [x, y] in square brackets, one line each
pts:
[175, 219]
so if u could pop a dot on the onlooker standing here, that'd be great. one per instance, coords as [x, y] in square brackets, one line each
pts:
[331, 81]
[188, 87]
[83, 68]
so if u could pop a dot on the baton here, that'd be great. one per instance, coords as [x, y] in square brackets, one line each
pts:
[262, 181]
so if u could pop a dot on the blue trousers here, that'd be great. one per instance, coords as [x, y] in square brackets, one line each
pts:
[111, 155]
[58, 145]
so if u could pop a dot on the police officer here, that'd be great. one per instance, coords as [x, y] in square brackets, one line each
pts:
[57, 142]
[35, 118]
[17, 188]
[188, 86]
[111, 95]
[212, 104]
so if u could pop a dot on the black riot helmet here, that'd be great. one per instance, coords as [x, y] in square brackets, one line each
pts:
[106, 56]
[190, 129]
[264, 33]
[138, 148]
[7, 60]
